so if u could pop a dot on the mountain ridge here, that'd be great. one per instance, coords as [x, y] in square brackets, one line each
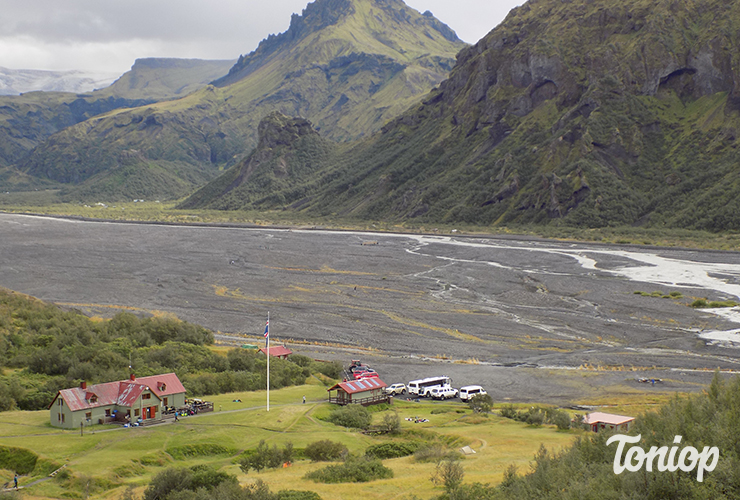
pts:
[348, 78]
[639, 129]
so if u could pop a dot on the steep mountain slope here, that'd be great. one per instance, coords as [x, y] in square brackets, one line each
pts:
[28, 120]
[585, 112]
[347, 65]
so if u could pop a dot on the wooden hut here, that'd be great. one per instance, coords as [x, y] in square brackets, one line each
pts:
[597, 421]
[367, 391]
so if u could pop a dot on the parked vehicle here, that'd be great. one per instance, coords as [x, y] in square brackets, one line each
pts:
[470, 391]
[396, 389]
[358, 371]
[422, 386]
[442, 392]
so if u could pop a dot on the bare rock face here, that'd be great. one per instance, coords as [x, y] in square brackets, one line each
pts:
[276, 129]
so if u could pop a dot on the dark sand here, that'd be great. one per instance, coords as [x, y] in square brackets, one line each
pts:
[514, 315]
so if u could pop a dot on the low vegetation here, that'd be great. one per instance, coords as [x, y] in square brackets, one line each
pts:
[352, 470]
[45, 349]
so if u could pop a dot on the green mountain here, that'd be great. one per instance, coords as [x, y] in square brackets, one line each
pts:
[580, 112]
[158, 79]
[26, 121]
[347, 65]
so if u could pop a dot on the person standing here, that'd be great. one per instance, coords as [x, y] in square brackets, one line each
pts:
[304, 400]
[15, 481]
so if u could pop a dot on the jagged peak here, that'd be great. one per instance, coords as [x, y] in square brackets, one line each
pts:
[322, 14]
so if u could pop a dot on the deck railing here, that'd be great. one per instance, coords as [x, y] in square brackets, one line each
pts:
[371, 400]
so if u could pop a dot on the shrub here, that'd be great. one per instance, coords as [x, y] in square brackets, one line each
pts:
[391, 450]
[170, 481]
[325, 450]
[560, 418]
[352, 416]
[448, 473]
[198, 450]
[391, 423]
[297, 495]
[481, 403]
[508, 411]
[264, 457]
[354, 470]
[434, 453]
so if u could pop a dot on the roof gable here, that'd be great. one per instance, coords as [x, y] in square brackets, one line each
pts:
[163, 385]
[362, 385]
[121, 393]
[607, 418]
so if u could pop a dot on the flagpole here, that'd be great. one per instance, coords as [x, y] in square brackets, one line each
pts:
[267, 330]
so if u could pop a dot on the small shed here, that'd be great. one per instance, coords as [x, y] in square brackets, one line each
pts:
[279, 351]
[367, 391]
[597, 421]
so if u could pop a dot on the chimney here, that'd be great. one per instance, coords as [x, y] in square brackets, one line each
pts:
[132, 377]
[83, 385]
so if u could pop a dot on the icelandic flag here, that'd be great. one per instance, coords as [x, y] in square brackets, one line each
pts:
[267, 332]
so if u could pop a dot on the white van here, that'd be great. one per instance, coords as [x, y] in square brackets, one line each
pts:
[421, 387]
[469, 391]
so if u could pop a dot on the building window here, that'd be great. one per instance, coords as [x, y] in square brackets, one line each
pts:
[59, 417]
[136, 412]
[88, 415]
[94, 399]
[62, 417]
[165, 401]
[107, 413]
[146, 396]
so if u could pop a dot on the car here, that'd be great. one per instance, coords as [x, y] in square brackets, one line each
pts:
[446, 392]
[470, 391]
[396, 389]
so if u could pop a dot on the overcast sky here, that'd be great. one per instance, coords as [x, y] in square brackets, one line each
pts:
[106, 36]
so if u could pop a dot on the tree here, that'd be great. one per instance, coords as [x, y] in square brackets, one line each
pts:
[481, 403]
[448, 473]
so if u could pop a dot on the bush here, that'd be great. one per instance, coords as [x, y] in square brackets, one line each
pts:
[481, 403]
[354, 470]
[434, 453]
[448, 473]
[297, 495]
[264, 457]
[352, 416]
[391, 450]
[198, 450]
[325, 451]
[561, 419]
[508, 411]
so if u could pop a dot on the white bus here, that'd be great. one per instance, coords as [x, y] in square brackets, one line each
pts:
[421, 387]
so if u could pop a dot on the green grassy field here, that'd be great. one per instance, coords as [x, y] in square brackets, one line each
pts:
[105, 461]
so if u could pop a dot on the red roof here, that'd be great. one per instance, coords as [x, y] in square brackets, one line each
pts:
[163, 385]
[355, 386]
[607, 418]
[121, 393]
[110, 393]
[277, 351]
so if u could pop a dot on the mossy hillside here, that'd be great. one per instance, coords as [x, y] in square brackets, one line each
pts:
[158, 79]
[348, 70]
[530, 128]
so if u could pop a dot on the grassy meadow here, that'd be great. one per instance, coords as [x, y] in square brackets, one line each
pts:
[105, 461]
